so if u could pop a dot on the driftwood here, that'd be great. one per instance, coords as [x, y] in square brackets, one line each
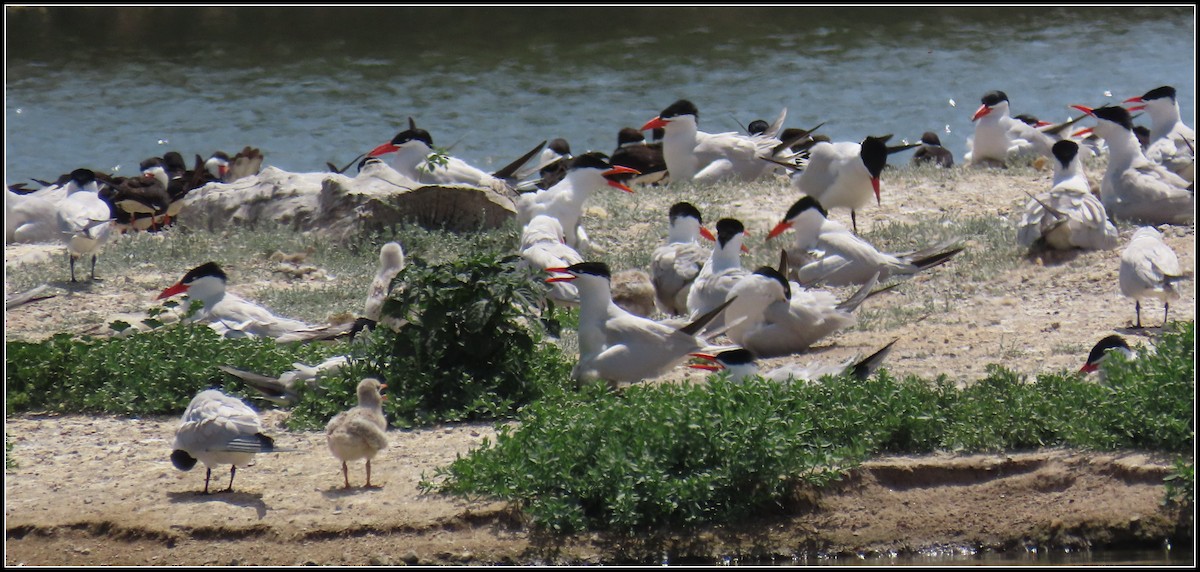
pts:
[339, 206]
[27, 297]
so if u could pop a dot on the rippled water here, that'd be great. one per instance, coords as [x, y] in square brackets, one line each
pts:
[108, 87]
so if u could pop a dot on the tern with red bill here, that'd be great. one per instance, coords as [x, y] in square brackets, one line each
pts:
[565, 200]
[411, 154]
[618, 346]
[1102, 348]
[1134, 188]
[233, 316]
[844, 174]
[699, 157]
[771, 316]
[1171, 143]
[675, 265]
[723, 269]
[847, 258]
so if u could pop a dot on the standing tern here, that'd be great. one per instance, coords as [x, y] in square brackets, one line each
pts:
[1150, 269]
[844, 174]
[218, 429]
[564, 201]
[84, 219]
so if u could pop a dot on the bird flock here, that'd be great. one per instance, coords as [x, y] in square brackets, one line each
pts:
[699, 301]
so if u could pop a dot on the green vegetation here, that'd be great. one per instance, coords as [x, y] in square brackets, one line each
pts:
[707, 453]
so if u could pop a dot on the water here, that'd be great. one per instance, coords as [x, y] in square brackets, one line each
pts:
[107, 87]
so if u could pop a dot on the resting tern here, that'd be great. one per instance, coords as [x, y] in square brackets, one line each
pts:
[700, 157]
[1171, 143]
[848, 259]
[84, 219]
[361, 431]
[218, 429]
[285, 389]
[617, 346]
[230, 314]
[711, 286]
[675, 265]
[1100, 351]
[411, 153]
[1135, 188]
[931, 152]
[543, 246]
[564, 201]
[1000, 137]
[1068, 216]
[771, 316]
[844, 174]
[741, 364]
[1150, 269]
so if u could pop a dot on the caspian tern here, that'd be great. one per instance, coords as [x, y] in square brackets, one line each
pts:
[285, 389]
[230, 314]
[772, 317]
[29, 218]
[84, 219]
[931, 152]
[848, 259]
[1171, 143]
[218, 429]
[700, 157]
[1150, 269]
[723, 269]
[635, 152]
[844, 174]
[1135, 188]
[1100, 351]
[617, 346]
[543, 246]
[1000, 137]
[411, 153]
[675, 265]
[585, 173]
[1068, 216]
[741, 364]
[361, 431]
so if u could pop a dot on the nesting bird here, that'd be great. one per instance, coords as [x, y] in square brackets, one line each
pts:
[675, 265]
[361, 431]
[1068, 216]
[218, 429]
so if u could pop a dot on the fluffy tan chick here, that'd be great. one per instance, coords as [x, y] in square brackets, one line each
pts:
[361, 431]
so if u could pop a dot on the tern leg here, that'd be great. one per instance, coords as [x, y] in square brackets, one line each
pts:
[207, 475]
[93, 267]
[853, 221]
[232, 471]
[71, 261]
[1166, 308]
[1137, 306]
[368, 473]
[346, 473]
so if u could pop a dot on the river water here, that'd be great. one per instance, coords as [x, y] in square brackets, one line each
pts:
[105, 87]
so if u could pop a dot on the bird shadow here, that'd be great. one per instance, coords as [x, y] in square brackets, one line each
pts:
[342, 492]
[1143, 331]
[236, 498]
[84, 285]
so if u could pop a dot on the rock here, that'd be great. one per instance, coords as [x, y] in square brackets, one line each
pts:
[339, 207]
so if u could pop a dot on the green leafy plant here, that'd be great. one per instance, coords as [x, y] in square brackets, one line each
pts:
[471, 345]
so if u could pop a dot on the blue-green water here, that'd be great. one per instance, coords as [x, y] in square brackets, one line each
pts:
[107, 87]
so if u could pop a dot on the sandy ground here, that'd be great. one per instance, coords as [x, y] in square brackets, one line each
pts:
[98, 490]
